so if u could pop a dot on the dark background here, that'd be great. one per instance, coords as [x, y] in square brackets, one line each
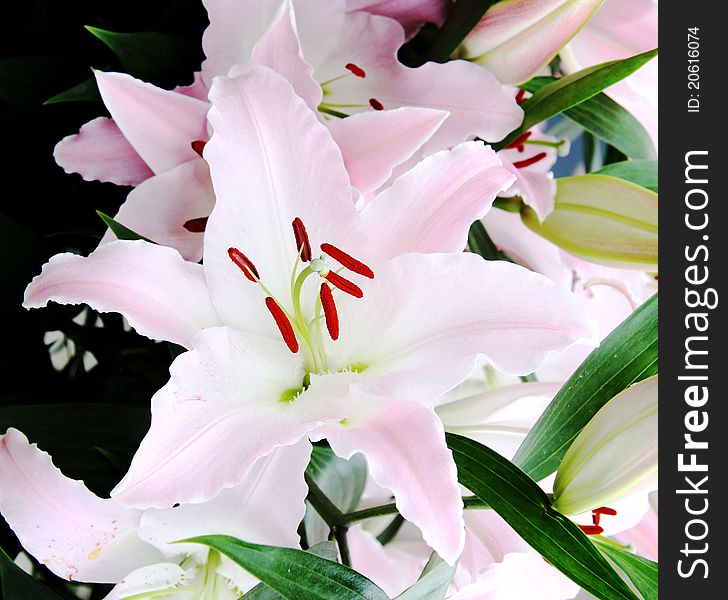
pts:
[89, 422]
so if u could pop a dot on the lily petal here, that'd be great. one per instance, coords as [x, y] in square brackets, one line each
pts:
[265, 508]
[235, 27]
[280, 50]
[162, 296]
[431, 207]
[373, 143]
[228, 403]
[153, 578]
[100, 152]
[517, 38]
[263, 181]
[497, 309]
[76, 534]
[159, 208]
[404, 444]
[159, 124]
[410, 13]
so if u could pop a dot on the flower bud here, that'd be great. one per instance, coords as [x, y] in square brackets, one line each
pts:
[614, 456]
[602, 219]
[515, 39]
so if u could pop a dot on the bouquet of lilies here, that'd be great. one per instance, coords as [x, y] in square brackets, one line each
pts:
[396, 262]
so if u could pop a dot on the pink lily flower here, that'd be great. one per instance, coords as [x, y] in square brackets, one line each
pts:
[619, 29]
[424, 319]
[81, 537]
[163, 132]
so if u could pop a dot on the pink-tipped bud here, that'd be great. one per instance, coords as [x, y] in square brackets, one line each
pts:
[244, 263]
[284, 325]
[351, 263]
[302, 243]
[332, 316]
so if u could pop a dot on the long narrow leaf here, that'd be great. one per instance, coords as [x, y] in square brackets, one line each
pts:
[567, 92]
[606, 119]
[640, 571]
[627, 355]
[526, 508]
[295, 574]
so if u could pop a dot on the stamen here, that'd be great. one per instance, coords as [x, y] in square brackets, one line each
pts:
[518, 142]
[302, 243]
[196, 225]
[519, 164]
[198, 146]
[521, 97]
[358, 71]
[376, 104]
[332, 317]
[344, 284]
[347, 260]
[284, 325]
[591, 529]
[605, 510]
[244, 263]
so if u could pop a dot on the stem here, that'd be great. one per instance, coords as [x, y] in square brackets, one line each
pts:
[329, 512]
[340, 535]
[390, 530]
[391, 509]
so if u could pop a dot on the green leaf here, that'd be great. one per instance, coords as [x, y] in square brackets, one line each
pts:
[86, 91]
[464, 15]
[433, 583]
[479, 242]
[149, 55]
[606, 119]
[261, 591]
[26, 81]
[342, 481]
[601, 219]
[626, 356]
[640, 571]
[571, 90]
[73, 433]
[295, 574]
[526, 508]
[639, 172]
[120, 231]
[16, 584]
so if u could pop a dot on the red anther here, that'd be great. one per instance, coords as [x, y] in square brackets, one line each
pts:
[527, 162]
[245, 264]
[198, 146]
[344, 284]
[196, 225]
[358, 71]
[348, 261]
[302, 243]
[332, 317]
[521, 97]
[605, 510]
[518, 142]
[376, 104]
[284, 325]
[591, 529]
[596, 517]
